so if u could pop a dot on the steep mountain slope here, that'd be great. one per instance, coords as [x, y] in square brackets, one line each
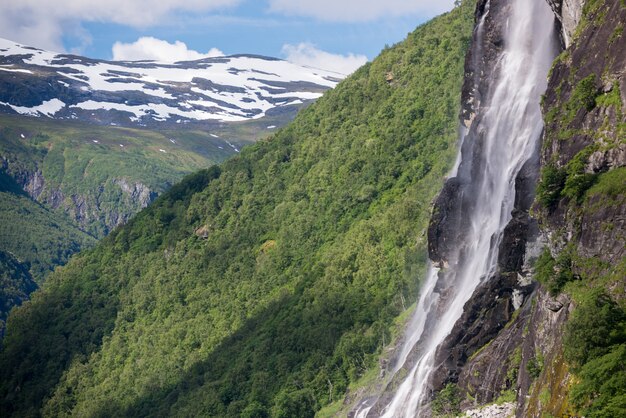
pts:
[33, 240]
[582, 210]
[95, 178]
[236, 88]
[266, 286]
[546, 336]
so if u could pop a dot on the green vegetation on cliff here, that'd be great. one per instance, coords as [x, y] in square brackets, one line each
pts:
[33, 240]
[101, 175]
[582, 197]
[266, 286]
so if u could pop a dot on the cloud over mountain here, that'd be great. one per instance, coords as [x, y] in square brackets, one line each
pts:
[309, 55]
[149, 48]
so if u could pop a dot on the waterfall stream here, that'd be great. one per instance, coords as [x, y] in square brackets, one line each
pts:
[505, 134]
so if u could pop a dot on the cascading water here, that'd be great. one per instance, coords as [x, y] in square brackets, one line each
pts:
[504, 135]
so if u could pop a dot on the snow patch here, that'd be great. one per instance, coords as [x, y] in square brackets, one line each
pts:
[15, 70]
[232, 88]
[48, 108]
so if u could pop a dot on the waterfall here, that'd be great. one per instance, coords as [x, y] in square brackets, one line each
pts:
[504, 134]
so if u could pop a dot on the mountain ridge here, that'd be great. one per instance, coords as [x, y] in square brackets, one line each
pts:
[150, 93]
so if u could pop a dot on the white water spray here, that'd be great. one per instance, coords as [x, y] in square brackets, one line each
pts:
[509, 128]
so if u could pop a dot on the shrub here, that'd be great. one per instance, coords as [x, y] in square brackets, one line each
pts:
[554, 273]
[446, 402]
[550, 186]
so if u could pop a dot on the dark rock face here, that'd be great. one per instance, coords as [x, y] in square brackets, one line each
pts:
[501, 364]
[597, 225]
[484, 356]
[610, 219]
[446, 223]
[446, 227]
[489, 310]
[493, 303]
[513, 245]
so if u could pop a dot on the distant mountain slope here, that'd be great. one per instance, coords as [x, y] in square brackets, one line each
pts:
[266, 286]
[33, 240]
[59, 145]
[235, 88]
[101, 176]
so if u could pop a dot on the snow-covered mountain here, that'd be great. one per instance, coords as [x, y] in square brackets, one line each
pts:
[233, 88]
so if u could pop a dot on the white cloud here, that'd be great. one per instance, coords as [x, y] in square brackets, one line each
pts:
[42, 23]
[307, 54]
[358, 10]
[149, 48]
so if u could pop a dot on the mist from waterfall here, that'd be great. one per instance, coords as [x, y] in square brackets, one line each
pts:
[506, 133]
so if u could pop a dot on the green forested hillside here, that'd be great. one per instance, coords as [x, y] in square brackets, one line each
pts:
[40, 238]
[265, 286]
[33, 240]
[16, 283]
[89, 178]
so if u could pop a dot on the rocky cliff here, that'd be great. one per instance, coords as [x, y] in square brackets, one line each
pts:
[568, 14]
[509, 345]
[99, 210]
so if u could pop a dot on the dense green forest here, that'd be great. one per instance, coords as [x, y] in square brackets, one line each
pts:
[263, 287]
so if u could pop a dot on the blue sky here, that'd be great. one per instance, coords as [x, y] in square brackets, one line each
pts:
[325, 33]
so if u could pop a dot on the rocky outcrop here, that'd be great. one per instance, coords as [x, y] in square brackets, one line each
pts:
[97, 211]
[446, 223]
[501, 366]
[584, 107]
[490, 309]
[137, 192]
[491, 411]
[568, 13]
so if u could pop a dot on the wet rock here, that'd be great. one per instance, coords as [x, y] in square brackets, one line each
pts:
[513, 245]
[490, 308]
[446, 224]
